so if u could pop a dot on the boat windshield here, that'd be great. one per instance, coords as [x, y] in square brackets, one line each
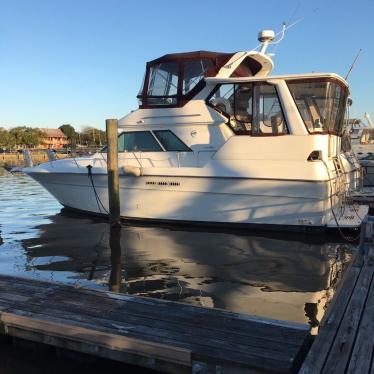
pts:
[321, 103]
[163, 83]
[171, 82]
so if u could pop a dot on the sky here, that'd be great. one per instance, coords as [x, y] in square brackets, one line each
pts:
[82, 61]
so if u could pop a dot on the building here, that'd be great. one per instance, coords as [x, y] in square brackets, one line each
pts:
[55, 139]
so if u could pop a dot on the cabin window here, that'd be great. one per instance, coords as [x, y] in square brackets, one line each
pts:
[138, 141]
[268, 117]
[252, 108]
[321, 104]
[170, 141]
[163, 84]
[194, 72]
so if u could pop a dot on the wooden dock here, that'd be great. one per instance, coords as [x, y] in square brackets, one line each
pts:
[166, 336]
[345, 342]
[363, 197]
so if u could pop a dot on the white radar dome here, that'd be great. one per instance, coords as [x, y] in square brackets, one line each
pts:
[266, 36]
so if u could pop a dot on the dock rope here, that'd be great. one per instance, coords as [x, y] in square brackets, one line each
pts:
[97, 197]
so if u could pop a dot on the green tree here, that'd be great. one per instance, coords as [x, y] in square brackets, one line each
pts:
[92, 137]
[70, 133]
[6, 139]
[27, 136]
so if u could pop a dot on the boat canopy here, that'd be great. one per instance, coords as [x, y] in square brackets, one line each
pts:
[172, 80]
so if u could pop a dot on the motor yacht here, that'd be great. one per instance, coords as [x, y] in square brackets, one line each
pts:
[362, 137]
[218, 140]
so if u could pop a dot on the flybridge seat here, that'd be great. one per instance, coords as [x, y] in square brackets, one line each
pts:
[174, 79]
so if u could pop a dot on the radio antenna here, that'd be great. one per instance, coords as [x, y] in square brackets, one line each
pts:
[353, 64]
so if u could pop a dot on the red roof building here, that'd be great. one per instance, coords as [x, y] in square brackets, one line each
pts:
[55, 139]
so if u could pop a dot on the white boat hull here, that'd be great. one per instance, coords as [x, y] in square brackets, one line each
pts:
[239, 201]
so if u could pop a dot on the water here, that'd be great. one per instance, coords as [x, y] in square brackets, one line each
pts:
[284, 278]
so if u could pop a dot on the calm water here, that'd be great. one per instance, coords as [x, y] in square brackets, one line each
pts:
[268, 276]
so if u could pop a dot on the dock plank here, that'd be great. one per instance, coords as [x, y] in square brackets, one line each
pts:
[113, 341]
[317, 356]
[362, 355]
[345, 343]
[345, 339]
[167, 336]
[207, 347]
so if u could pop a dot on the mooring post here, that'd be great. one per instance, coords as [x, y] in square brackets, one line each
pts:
[115, 259]
[112, 166]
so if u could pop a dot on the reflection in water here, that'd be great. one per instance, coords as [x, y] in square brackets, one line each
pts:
[115, 279]
[270, 277]
[277, 277]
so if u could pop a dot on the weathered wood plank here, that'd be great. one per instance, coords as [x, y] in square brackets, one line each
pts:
[72, 344]
[343, 344]
[170, 316]
[164, 310]
[321, 347]
[157, 327]
[362, 355]
[210, 349]
[217, 319]
[89, 336]
[88, 320]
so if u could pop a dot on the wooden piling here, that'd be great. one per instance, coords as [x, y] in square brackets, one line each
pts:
[112, 165]
[115, 258]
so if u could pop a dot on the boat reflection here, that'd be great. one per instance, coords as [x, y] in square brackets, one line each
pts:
[271, 277]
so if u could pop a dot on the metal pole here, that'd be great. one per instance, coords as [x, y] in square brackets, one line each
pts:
[112, 165]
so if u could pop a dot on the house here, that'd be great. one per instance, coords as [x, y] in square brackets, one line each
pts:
[55, 139]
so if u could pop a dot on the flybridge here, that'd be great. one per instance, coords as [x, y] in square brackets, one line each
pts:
[174, 79]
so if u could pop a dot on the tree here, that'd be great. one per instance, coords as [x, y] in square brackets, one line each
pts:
[70, 133]
[68, 130]
[27, 136]
[92, 136]
[6, 139]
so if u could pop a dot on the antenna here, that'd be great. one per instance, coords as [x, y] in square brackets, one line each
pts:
[281, 33]
[353, 64]
[265, 37]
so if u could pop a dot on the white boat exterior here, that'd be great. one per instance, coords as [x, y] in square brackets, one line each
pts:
[294, 179]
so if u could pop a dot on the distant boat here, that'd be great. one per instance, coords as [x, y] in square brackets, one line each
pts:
[362, 140]
[218, 141]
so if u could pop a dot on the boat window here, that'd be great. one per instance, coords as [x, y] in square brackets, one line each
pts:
[194, 72]
[170, 141]
[243, 102]
[321, 104]
[252, 108]
[163, 84]
[268, 116]
[138, 141]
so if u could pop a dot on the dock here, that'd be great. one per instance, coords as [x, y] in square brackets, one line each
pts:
[163, 335]
[345, 342]
[365, 196]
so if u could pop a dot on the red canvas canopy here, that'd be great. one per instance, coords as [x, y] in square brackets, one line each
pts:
[173, 79]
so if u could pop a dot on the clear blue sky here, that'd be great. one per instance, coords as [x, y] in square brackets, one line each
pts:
[81, 61]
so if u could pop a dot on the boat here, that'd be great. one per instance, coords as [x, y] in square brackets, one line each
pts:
[362, 144]
[217, 140]
[362, 137]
